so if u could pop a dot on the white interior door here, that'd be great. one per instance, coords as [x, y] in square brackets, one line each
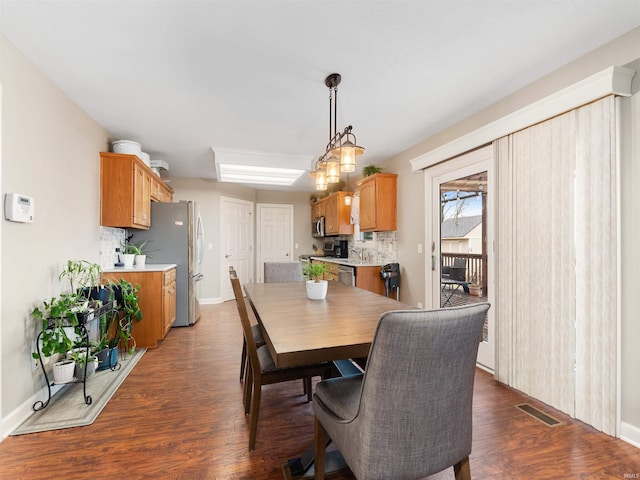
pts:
[236, 243]
[274, 234]
[461, 230]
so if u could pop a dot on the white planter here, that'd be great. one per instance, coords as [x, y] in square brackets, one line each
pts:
[140, 260]
[128, 259]
[317, 290]
[63, 371]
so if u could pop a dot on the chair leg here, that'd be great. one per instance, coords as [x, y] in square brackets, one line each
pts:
[320, 447]
[255, 411]
[462, 470]
[243, 360]
[307, 387]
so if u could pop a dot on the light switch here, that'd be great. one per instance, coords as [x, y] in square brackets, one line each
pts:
[210, 246]
[419, 248]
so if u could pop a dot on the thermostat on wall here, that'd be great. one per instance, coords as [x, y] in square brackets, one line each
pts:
[18, 208]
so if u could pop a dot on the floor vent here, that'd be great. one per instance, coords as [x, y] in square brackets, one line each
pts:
[539, 415]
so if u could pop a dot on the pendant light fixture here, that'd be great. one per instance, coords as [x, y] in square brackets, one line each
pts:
[341, 152]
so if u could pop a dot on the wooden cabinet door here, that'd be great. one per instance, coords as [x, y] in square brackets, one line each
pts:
[141, 196]
[331, 222]
[318, 209]
[368, 199]
[378, 199]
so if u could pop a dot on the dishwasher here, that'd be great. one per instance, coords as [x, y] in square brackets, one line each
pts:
[347, 275]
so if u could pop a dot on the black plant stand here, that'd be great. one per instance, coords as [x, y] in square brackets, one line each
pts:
[84, 334]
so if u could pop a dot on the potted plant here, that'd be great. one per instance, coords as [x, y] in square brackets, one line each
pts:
[316, 285]
[84, 279]
[370, 170]
[58, 316]
[79, 356]
[140, 252]
[106, 349]
[128, 308]
[475, 289]
[128, 251]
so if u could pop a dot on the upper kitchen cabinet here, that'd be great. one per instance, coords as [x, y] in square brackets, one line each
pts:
[337, 215]
[127, 187]
[378, 194]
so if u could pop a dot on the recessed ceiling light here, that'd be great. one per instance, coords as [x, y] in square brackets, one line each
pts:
[258, 175]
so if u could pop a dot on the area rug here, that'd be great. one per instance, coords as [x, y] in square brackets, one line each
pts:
[67, 407]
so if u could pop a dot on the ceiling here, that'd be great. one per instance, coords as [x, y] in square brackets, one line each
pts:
[245, 79]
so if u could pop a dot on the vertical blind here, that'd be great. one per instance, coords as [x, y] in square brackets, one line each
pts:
[556, 262]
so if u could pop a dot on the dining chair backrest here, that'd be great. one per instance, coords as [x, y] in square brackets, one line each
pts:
[244, 317]
[414, 414]
[282, 272]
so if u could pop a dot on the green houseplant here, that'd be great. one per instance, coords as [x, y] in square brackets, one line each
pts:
[138, 250]
[370, 170]
[128, 313]
[316, 285]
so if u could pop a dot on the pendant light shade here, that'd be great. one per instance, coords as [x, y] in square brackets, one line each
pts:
[333, 170]
[321, 180]
[341, 151]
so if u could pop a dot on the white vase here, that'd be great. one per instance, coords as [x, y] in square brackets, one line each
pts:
[63, 371]
[317, 290]
[140, 260]
[128, 259]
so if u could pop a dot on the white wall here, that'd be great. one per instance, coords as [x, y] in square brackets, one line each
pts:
[49, 152]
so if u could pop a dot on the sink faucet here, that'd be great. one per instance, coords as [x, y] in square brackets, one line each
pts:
[358, 251]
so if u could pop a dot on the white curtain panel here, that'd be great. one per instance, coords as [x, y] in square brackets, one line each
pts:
[596, 233]
[556, 236]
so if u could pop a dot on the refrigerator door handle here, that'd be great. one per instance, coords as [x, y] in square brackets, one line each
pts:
[199, 240]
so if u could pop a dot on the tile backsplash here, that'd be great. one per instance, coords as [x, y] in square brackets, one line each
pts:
[110, 239]
[382, 248]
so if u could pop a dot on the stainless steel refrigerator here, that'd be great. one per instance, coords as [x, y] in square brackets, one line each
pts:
[176, 236]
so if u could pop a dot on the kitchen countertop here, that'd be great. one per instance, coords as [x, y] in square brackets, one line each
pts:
[149, 267]
[350, 262]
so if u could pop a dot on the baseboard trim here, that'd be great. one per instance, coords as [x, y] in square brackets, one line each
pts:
[630, 434]
[24, 411]
[210, 301]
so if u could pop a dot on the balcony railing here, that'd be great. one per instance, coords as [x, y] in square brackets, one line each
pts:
[476, 266]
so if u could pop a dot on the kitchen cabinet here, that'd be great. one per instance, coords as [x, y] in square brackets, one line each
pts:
[378, 201]
[332, 270]
[127, 187]
[337, 215]
[317, 209]
[157, 301]
[368, 278]
[160, 191]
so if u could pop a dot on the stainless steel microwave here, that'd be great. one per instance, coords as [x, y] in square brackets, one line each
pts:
[317, 227]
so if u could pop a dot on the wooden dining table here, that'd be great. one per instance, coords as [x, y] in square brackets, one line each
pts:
[300, 331]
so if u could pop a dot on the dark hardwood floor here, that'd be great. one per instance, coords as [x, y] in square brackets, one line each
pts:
[179, 415]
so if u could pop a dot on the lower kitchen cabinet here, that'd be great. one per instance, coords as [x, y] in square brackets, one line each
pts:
[157, 300]
[332, 270]
[368, 278]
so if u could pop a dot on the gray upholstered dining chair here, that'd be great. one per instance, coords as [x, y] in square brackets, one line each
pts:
[409, 414]
[282, 272]
[262, 370]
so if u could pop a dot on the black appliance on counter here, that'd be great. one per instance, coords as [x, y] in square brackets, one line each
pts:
[336, 248]
[341, 248]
